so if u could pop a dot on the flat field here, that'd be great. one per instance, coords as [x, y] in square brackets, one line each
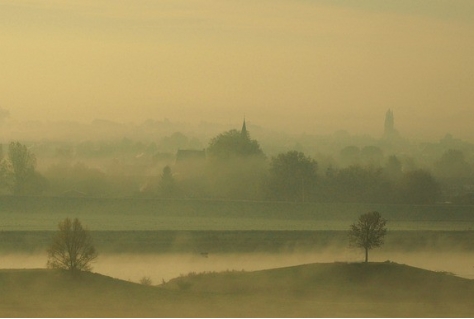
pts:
[221, 242]
[143, 214]
[162, 239]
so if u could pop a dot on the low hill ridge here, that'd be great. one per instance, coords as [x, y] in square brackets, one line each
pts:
[380, 280]
[326, 289]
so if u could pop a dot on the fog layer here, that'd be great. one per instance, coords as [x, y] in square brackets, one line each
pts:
[163, 267]
[297, 65]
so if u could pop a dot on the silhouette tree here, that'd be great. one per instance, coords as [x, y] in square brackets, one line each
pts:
[292, 176]
[418, 187]
[232, 144]
[71, 248]
[368, 232]
[236, 165]
[359, 184]
[19, 170]
[453, 165]
[167, 182]
[393, 168]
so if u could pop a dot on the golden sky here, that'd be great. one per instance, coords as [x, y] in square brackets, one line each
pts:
[301, 65]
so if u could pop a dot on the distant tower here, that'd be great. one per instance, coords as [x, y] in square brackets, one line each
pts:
[389, 127]
[389, 122]
[244, 131]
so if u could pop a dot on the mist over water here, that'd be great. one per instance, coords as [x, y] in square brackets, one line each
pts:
[163, 267]
[211, 136]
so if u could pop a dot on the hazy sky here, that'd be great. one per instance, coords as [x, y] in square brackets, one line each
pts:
[304, 65]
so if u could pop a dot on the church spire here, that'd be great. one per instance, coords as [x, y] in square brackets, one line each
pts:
[244, 131]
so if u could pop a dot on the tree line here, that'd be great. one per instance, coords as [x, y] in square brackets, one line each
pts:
[237, 168]
[234, 167]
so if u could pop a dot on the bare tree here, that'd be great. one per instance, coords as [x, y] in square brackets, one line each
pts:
[72, 247]
[368, 232]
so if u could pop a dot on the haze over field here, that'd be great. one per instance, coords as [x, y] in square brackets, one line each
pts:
[175, 143]
[163, 267]
[300, 66]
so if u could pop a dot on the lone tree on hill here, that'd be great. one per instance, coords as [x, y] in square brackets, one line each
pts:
[368, 232]
[71, 248]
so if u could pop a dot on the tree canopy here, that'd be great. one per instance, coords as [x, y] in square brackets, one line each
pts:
[236, 165]
[19, 170]
[71, 248]
[167, 183]
[368, 232]
[233, 144]
[418, 187]
[292, 175]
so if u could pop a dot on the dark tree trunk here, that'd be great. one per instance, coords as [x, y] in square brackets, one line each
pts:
[366, 254]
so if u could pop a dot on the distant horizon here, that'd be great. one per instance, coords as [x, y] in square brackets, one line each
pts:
[293, 65]
[221, 126]
[401, 125]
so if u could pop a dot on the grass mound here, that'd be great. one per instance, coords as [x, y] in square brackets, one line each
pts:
[384, 280]
[329, 290]
[51, 293]
[344, 289]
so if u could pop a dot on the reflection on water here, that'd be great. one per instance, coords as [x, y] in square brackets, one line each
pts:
[161, 267]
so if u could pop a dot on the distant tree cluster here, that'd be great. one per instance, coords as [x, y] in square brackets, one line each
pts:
[234, 166]
[238, 169]
[18, 171]
[292, 177]
[233, 144]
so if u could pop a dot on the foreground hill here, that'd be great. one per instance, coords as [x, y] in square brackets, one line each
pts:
[344, 289]
[338, 289]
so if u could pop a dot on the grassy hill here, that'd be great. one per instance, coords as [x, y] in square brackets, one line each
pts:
[337, 289]
[50, 293]
[343, 289]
